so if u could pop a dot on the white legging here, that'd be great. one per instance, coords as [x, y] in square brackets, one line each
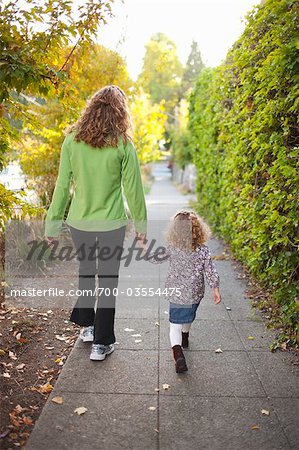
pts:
[175, 332]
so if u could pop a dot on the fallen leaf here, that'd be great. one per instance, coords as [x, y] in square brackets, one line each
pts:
[156, 430]
[255, 427]
[265, 412]
[19, 409]
[27, 420]
[157, 324]
[165, 386]
[12, 355]
[44, 388]
[80, 410]
[18, 336]
[20, 366]
[218, 350]
[152, 408]
[60, 338]
[2, 352]
[58, 400]
[250, 338]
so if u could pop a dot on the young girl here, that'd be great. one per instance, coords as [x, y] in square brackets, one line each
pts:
[189, 258]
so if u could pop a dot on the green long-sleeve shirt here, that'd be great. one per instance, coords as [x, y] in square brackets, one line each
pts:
[98, 176]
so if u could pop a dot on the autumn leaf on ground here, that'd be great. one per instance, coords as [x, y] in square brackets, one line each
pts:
[250, 338]
[255, 427]
[60, 338]
[44, 388]
[58, 400]
[27, 420]
[2, 352]
[12, 355]
[80, 410]
[265, 412]
[20, 366]
[18, 409]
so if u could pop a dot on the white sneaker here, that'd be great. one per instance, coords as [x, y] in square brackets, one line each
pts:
[100, 351]
[87, 334]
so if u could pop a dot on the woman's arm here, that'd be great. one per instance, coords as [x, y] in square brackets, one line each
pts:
[55, 214]
[133, 188]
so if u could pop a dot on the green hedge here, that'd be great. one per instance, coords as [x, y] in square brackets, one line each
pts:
[244, 132]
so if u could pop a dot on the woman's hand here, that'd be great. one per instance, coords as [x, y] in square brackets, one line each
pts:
[141, 238]
[50, 240]
[217, 296]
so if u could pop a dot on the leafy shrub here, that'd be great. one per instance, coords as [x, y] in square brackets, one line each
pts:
[244, 132]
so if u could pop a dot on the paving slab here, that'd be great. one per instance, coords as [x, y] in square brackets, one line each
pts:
[211, 374]
[287, 410]
[111, 422]
[277, 373]
[218, 424]
[124, 371]
[206, 335]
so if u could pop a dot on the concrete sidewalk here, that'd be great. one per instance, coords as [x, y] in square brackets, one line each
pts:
[217, 404]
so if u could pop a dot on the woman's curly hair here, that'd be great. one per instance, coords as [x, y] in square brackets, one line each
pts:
[105, 119]
[187, 231]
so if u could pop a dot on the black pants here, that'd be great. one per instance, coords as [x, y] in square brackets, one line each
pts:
[98, 252]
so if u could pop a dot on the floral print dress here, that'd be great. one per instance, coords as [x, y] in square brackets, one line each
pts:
[184, 283]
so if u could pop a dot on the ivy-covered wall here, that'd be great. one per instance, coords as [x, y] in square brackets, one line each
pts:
[244, 131]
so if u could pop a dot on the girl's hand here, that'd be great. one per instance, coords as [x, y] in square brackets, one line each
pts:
[217, 296]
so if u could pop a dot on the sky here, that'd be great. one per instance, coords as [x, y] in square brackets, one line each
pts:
[214, 24]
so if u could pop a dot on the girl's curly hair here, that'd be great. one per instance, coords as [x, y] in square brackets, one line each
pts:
[105, 119]
[187, 231]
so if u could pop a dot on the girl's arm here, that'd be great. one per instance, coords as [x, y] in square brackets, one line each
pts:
[55, 214]
[210, 270]
[212, 275]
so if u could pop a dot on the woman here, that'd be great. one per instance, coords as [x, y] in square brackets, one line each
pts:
[100, 157]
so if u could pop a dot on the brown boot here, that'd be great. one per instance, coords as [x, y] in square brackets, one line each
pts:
[185, 339]
[179, 358]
